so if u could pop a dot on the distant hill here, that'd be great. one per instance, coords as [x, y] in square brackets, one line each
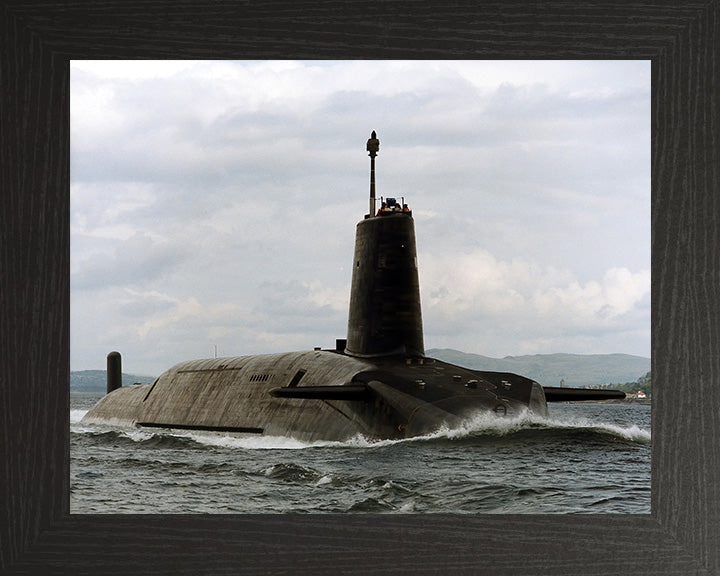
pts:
[549, 369]
[96, 380]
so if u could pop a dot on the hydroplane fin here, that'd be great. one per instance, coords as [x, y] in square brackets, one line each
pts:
[555, 394]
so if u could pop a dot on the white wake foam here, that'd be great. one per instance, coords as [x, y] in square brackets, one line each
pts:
[481, 424]
[77, 415]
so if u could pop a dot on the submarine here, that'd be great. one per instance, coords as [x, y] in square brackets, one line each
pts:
[377, 382]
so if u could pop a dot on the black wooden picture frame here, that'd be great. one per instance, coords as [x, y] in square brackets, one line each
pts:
[38, 535]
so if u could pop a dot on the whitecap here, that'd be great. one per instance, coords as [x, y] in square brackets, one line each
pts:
[77, 415]
[477, 425]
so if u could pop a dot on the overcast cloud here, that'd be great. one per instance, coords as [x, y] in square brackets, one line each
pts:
[215, 203]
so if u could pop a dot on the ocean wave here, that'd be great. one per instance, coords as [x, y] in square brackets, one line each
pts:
[293, 473]
[477, 428]
[77, 415]
[372, 505]
[632, 433]
[523, 426]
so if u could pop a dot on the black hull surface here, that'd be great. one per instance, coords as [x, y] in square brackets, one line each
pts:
[317, 395]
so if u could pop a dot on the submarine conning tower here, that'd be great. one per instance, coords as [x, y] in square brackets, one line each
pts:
[385, 317]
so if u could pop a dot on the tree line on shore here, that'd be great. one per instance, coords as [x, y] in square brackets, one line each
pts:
[642, 384]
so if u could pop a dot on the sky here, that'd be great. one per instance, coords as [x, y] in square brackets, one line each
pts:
[214, 203]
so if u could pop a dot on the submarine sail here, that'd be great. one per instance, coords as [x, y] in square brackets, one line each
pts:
[385, 316]
[377, 382]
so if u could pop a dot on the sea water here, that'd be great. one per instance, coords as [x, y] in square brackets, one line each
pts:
[584, 458]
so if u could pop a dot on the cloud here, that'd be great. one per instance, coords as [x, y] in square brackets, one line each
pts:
[137, 260]
[525, 307]
[215, 202]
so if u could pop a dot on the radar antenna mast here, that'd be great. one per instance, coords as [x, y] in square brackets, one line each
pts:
[373, 145]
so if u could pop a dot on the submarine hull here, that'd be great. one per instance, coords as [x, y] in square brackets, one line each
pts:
[378, 384]
[317, 395]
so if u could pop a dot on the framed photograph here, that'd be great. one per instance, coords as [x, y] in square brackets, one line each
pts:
[38, 531]
[460, 288]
